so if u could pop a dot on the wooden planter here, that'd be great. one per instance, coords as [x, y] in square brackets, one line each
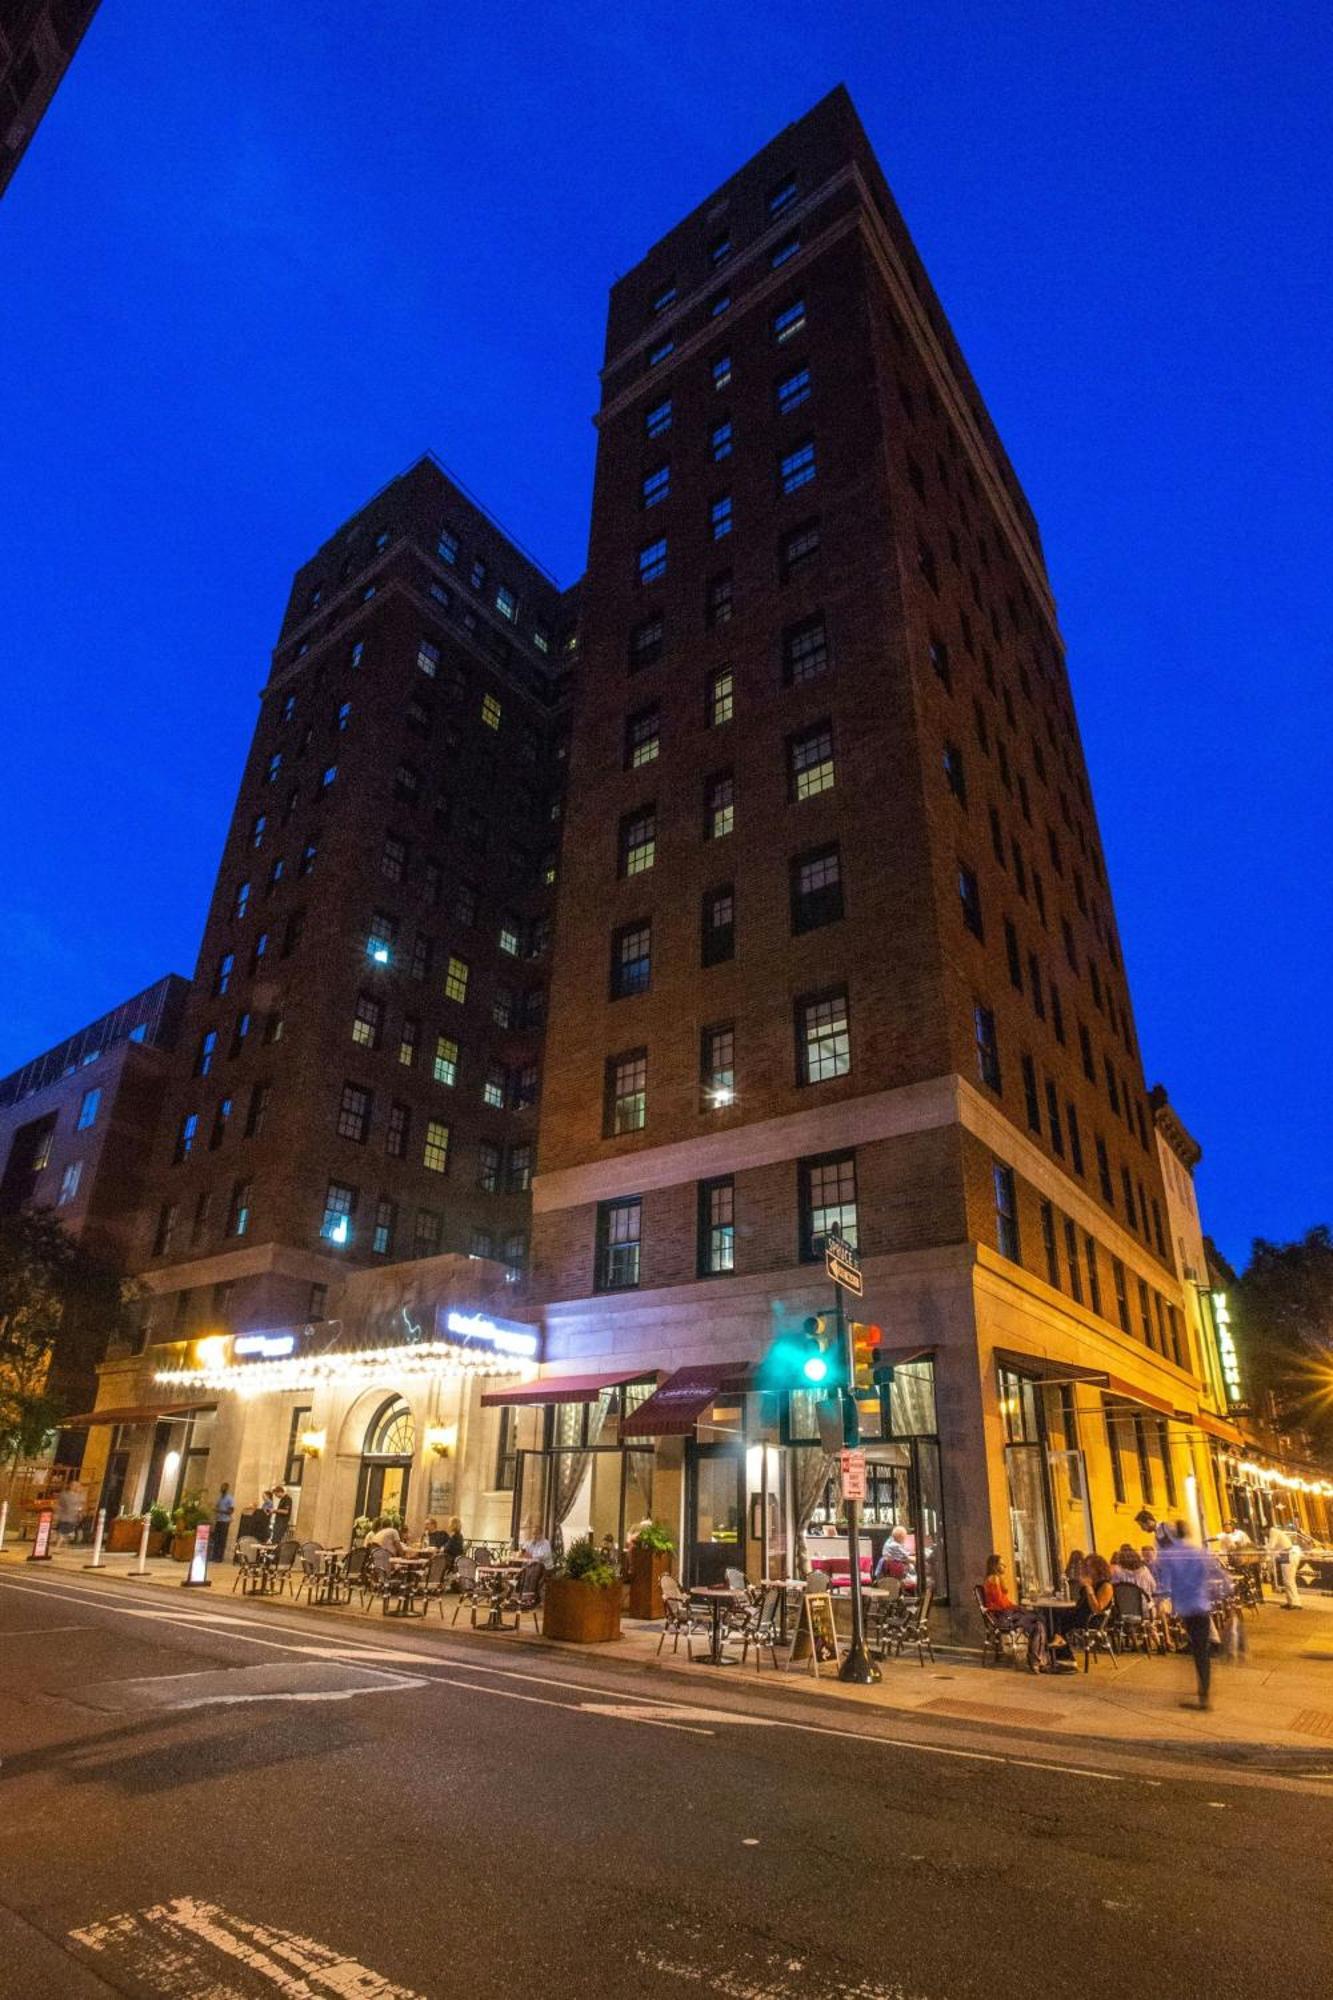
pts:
[647, 1567]
[580, 1611]
[181, 1546]
[122, 1535]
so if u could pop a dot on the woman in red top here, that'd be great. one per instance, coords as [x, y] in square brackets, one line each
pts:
[1011, 1617]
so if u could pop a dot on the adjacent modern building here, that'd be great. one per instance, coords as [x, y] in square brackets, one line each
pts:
[37, 43]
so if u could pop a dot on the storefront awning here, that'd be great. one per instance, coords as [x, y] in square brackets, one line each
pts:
[673, 1409]
[1047, 1368]
[1129, 1394]
[899, 1357]
[1216, 1427]
[135, 1413]
[568, 1388]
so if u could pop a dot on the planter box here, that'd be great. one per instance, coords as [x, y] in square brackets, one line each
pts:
[180, 1547]
[647, 1567]
[580, 1611]
[122, 1535]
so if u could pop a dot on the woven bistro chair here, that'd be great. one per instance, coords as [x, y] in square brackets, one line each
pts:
[245, 1559]
[761, 1628]
[998, 1641]
[681, 1619]
[465, 1579]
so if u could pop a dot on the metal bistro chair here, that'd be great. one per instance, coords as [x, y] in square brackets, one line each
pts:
[522, 1595]
[1097, 1636]
[465, 1577]
[375, 1576]
[246, 1561]
[681, 1619]
[1133, 1624]
[761, 1628]
[914, 1630]
[348, 1577]
[436, 1580]
[312, 1566]
[998, 1639]
[283, 1564]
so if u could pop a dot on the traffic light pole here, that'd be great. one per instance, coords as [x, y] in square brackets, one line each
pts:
[857, 1664]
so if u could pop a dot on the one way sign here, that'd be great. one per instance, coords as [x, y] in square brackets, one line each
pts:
[842, 1264]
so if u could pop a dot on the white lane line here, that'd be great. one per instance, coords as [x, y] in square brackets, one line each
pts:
[185, 1936]
[542, 1680]
[40, 1631]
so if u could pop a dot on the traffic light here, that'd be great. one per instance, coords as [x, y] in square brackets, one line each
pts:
[881, 1367]
[865, 1342]
[805, 1360]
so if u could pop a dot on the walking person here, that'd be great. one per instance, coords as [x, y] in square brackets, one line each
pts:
[222, 1513]
[1194, 1581]
[69, 1512]
[1286, 1556]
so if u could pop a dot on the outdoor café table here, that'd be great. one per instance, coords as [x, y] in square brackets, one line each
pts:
[499, 1573]
[718, 1598]
[263, 1576]
[412, 1572]
[1057, 1613]
[325, 1587]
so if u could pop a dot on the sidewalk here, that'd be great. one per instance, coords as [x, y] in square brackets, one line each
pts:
[1275, 1706]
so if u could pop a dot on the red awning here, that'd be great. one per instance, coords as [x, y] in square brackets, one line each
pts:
[135, 1413]
[1216, 1427]
[673, 1409]
[568, 1388]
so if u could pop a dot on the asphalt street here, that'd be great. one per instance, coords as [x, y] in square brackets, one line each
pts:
[218, 1800]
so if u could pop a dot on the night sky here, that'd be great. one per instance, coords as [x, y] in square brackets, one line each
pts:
[258, 258]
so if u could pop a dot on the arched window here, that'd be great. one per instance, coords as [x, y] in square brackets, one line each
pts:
[391, 1432]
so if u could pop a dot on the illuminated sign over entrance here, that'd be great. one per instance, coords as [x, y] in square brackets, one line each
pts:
[1226, 1348]
[501, 1336]
[263, 1346]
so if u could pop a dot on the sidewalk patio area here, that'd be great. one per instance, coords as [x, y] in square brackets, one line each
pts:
[1278, 1698]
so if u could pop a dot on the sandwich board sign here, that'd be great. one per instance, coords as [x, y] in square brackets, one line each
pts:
[816, 1637]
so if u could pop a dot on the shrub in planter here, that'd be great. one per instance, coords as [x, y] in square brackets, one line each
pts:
[191, 1514]
[159, 1531]
[651, 1547]
[582, 1601]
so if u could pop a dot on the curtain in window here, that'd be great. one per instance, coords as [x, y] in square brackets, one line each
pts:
[811, 1471]
[571, 1466]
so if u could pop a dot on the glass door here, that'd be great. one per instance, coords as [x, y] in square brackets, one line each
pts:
[715, 1511]
[1030, 1524]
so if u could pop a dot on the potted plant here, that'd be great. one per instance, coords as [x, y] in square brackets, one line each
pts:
[582, 1601]
[159, 1531]
[190, 1514]
[123, 1534]
[651, 1547]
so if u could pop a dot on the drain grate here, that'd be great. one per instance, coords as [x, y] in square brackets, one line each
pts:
[981, 1711]
[1313, 1722]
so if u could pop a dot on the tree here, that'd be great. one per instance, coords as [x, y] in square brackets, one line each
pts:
[59, 1305]
[1285, 1295]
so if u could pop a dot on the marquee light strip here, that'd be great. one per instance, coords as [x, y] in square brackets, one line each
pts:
[308, 1371]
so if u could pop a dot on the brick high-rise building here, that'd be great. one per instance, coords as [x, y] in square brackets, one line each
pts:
[37, 43]
[835, 942]
[358, 1070]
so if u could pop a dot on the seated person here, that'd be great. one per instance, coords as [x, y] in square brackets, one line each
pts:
[452, 1541]
[385, 1536]
[1128, 1566]
[896, 1560]
[1095, 1594]
[1011, 1617]
[1074, 1571]
[536, 1547]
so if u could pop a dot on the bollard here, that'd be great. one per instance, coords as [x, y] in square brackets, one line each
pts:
[141, 1566]
[4, 1520]
[98, 1532]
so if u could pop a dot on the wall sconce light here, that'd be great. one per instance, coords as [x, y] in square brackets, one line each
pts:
[441, 1438]
[310, 1444]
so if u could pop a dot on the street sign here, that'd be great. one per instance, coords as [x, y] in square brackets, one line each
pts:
[852, 1466]
[843, 1265]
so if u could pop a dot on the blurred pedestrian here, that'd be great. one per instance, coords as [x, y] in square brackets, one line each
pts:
[1195, 1581]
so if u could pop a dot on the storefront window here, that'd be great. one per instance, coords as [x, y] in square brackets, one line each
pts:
[295, 1467]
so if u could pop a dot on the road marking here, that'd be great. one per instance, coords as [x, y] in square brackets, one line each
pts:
[668, 1708]
[324, 1680]
[186, 1937]
[213, 1620]
[40, 1631]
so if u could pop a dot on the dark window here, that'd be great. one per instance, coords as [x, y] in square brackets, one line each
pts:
[396, 1131]
[1112, 1416]
[969, 895]
[717, 928]
[618, 1244]
[720, 600]
[1013, 956]
[631, 959]
[816, 888]
[1053, 1120]
[1006, 1213]
[1075, 1137]
[717, 1227]
[1030, 1100]
[1071, 1258]
[645, 642]
[354, 1113]
[797, 548]
[988, 1048]
[939, 660]
[1094, 1276]
[805, 650]
[1121, 1294]
[954, 775]
[1049, 1246]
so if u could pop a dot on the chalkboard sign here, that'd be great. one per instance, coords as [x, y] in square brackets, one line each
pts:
[816, 1636]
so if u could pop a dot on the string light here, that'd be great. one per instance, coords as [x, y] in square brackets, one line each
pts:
[360, 1364]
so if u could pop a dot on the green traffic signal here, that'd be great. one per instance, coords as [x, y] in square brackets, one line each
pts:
[805, 1360]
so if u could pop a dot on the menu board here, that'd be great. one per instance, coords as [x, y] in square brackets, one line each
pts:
[816, 1636]
[41, 1541]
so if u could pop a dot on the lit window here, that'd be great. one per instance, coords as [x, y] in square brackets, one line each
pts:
[720, 441]
[782, 196]
[658, 354]
[541, 638]
[631, 960]
[720, 517]
[428, 659]
[238, 1211]
[509, 938]
[642, 737]
[493, 1086]
[657, 486]
[785, 251]
[717, 1067]
[490, 711]
[186, 1134]
[328, 776]
[69, 1183]
[203, 1061]
[618, 1244]
[455, 980]
[339, 1209]
[789, 322]
[810, 762]
[721, 371]
[242, 903]
[719, 806]
[386, 1221]
[343, 719]
[506, 603]
[797, 468]
[652, 561]
[445, 1066]
[658, 420]
[638, 841]
[274, 767]
[257, 830]
[627, 1093]
[357, 654]
[381, 938]
[828, 1204]
[435, 1154]
[721, 697]
[447, 547]
[824, 1047]
[792, 391]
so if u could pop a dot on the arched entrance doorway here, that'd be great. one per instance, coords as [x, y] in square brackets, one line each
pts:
[386, 1460]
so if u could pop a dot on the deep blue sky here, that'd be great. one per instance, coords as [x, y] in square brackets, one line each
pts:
[258, 258]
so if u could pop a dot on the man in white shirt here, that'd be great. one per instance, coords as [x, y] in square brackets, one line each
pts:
[536, 1547]
[386, 1536]
[1286, 1561]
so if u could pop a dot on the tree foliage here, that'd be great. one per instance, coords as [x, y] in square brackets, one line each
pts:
[59, 1305]
[1285, 1297]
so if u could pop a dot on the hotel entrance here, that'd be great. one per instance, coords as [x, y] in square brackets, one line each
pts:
[386, 1461]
